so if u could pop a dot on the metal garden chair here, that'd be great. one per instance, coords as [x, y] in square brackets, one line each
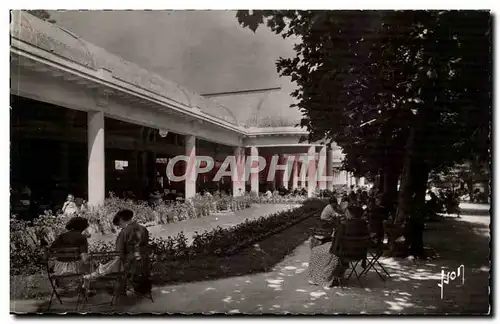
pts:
[61, 281]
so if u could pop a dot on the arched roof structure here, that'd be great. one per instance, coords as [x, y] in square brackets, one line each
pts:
[64, 43]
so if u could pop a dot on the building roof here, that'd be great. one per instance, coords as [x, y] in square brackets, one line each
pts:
[262, 108]
[64, 43]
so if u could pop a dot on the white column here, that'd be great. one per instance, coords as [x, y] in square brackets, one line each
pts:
[254, 175]
[352, 179]
[295, 174]
[362, 181]
[286, 173]
[190, 182]
[303, 174]
[96, 162]
[322, 172]
[311, 174]
[344, 177]
[238, 173]
[329, 168]
[338, 178]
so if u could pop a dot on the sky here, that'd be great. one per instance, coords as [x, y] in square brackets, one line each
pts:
[205, 51]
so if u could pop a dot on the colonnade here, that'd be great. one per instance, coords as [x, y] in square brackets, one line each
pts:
[310, 171]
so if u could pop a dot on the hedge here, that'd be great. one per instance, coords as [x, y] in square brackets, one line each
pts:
[29, 281]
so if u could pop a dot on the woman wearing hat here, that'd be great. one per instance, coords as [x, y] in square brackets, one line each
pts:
[73, 238]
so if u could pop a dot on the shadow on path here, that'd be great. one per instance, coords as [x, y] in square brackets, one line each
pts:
[414, 284]
[271, 277]
[261, 257]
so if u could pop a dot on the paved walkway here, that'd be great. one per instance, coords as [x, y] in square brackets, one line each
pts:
[224, 220]
[413, 288]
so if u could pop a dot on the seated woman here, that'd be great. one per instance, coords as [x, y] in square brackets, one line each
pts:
[329, 219]
[325, 267]
[73, 238]
[132, 243]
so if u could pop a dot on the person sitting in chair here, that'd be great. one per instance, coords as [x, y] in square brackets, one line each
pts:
[325, 266]
[70, 207]
[132, 243]
[73, 238]
[329, 219]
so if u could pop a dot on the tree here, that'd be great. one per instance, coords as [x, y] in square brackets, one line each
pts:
[403, 93]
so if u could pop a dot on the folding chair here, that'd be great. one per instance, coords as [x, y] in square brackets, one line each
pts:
[59, 281]
[117, 278]
[393, 232]
[375, 251]
[352, 250]
[122, 281]
[376, 248]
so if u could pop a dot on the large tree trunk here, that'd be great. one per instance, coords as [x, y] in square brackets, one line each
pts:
[470, 189]
[411, 198]
[390, 193]
[415, 230]
[405, 192]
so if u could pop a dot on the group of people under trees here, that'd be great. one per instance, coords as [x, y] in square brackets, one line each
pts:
[445, 201]
[131, 243]
[357, 214]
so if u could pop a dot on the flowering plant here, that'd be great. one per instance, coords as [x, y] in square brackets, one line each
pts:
[167, 251]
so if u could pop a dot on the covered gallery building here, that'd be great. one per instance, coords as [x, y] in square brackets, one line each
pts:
[85, 121]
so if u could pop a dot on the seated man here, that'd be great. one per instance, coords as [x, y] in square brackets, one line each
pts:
[132, 243]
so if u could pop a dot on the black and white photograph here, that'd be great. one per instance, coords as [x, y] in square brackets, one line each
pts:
[251, 162]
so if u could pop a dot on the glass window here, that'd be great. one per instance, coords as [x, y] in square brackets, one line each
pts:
[120, 165]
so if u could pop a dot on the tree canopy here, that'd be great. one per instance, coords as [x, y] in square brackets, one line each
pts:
[366, 77]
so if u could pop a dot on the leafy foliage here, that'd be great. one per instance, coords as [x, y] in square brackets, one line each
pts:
[407, 88]
[363, 76]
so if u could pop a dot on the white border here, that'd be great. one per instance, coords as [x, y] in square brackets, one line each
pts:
[186, 4]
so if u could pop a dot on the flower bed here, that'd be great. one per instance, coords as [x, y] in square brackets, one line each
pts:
[27, 237]
[287, 199]
[225, 242]
[215, 243]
